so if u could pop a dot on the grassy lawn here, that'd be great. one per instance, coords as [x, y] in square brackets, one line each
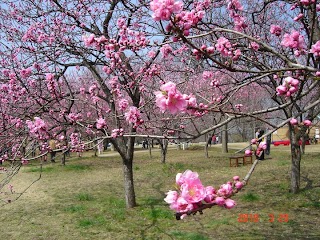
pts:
[84, 199]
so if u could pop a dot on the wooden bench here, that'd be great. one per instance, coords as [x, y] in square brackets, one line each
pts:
[241, 159]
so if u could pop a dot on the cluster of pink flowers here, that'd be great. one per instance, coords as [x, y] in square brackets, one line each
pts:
[76, 144]
[198, 54]
[117, 132]
[192, 195]
[165, 50]
[101, 123]
[188, 19]
[262, 146]
[25, 73]
[276, 30]
[123, 104]
[307, 2]
[133, 116]
[234, 7]
[210, 76]
[169, 98]
[51, 85]
[38, 128]
[226, 49]
[288, 87]
[238, 106]
[306, 122]
[294, 41]
[315, 49]
[3, 158]
[163, 9]
[74, 117]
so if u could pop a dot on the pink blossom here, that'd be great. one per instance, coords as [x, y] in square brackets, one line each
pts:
[294, 40]
[163, 9]
[307, 2]
[210, 194]
[151, 54]
[288, 87]
[133, 115]
[315, 49]
[24, 162]
[229, 203]
[193, 191]
[253, 141]
[255, 46]
[238, 106]
[172, 196]
[170, 99]
[239, 185]
[293, 121]
[263, 145]
[297, 18]
[37, 128]
[248, 152]
[220, 201]
[234, 4]
[123, 104]
[276, 30]
[74, 117]
[188, 175]
[307, 123]
[225, 190]
[101, 123]
[165, 50]
[281, 90]
[181, 205]
[25, 72]
[236, 178]
[82, 90]
[116, 132]
[224, 46]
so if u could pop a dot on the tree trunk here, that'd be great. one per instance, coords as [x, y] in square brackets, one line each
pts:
[295, 160]
[164, 149]
[126, 150]
[149, 148]
[130, 195]
[63, 159]
[206, 152]
[225, 139]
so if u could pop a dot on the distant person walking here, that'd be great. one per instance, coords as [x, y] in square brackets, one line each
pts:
[257, 133]
[53, 147]
[214, 139]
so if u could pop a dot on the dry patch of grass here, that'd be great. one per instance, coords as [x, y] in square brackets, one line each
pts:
[84, 199]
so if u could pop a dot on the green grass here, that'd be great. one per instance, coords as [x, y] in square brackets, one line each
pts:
[250, 197]
[84, 197]
[85, 200]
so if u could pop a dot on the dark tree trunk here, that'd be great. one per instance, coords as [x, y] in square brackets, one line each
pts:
[150, 144]
[130, 195]
[126, 150]
[164, 149]
[225, 139]
[295, 160]
[63, 158]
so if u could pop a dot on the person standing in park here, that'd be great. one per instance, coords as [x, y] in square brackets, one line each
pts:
[214, 139]
[43, 147]
[53, 146]
[257, 133]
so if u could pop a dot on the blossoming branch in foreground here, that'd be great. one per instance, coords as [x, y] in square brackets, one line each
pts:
[191, 195]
